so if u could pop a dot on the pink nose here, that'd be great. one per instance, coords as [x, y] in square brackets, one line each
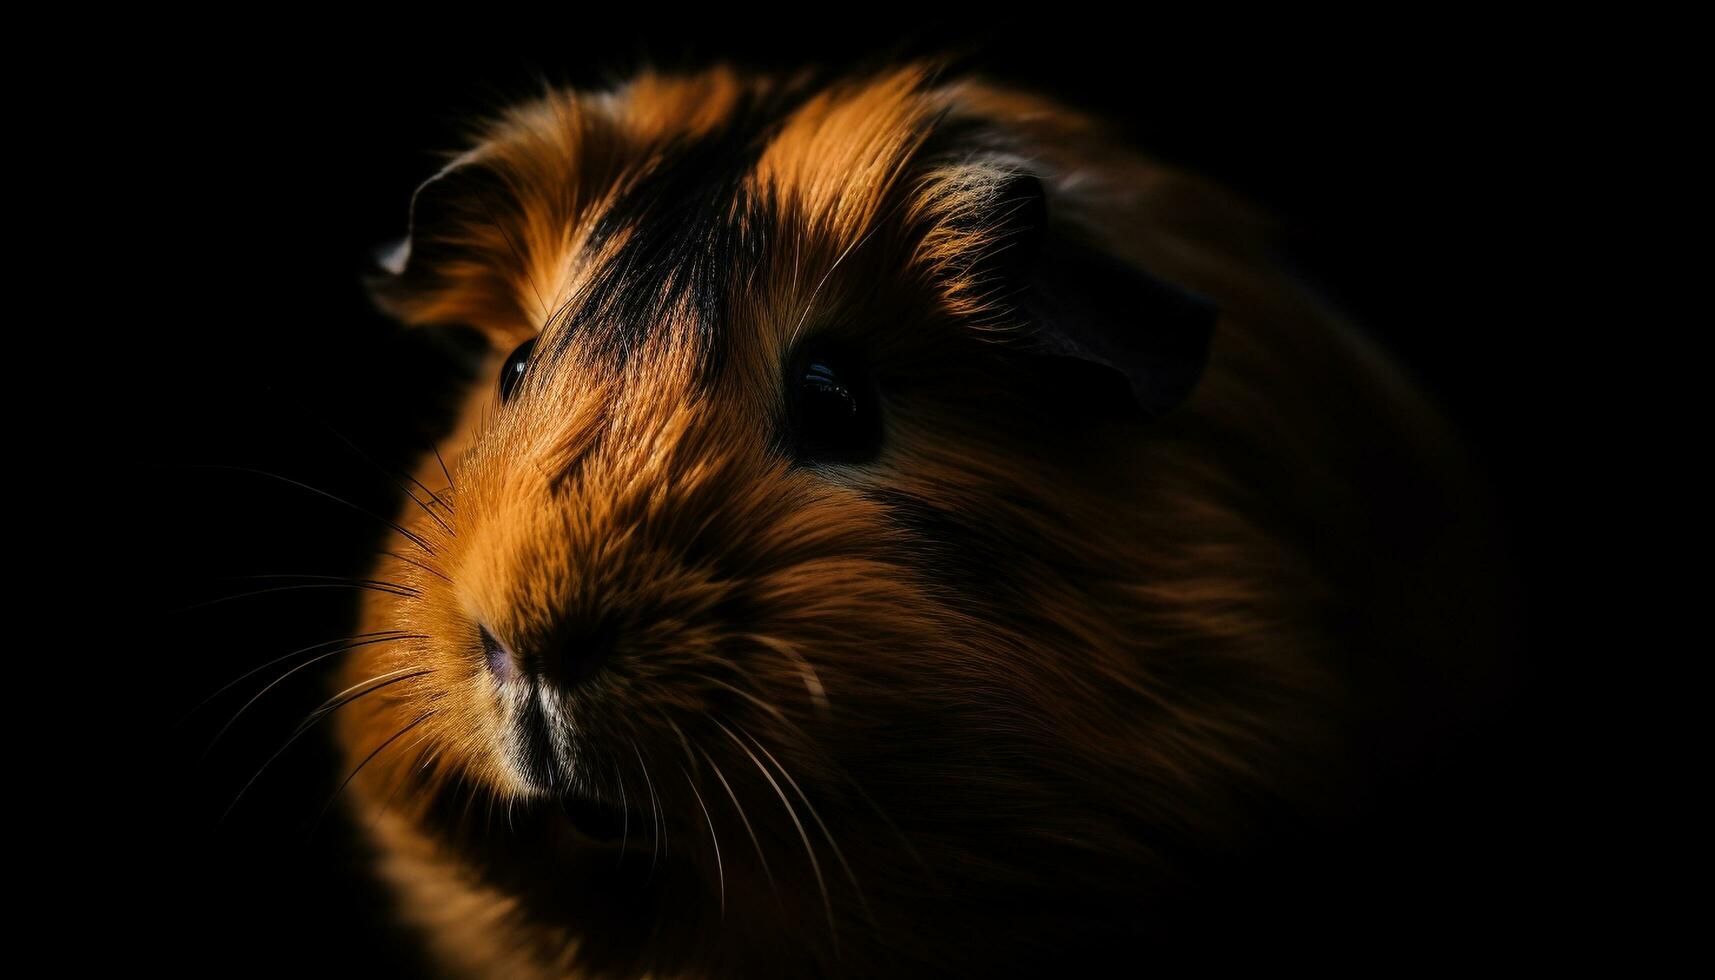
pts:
[502, 662]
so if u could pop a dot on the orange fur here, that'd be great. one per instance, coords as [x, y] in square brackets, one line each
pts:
[975, 735]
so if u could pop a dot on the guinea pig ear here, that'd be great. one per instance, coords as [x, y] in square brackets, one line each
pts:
[1103, 326]
[416, 273]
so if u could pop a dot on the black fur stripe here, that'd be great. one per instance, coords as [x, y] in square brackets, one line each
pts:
[693, 235]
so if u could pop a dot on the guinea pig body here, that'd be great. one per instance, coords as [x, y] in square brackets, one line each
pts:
[902, 532]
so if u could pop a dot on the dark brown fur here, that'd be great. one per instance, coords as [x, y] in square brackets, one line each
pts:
[996, 700]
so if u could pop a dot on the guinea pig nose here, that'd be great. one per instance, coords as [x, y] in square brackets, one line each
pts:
[566, 654]
[578, 650]
[502, 662]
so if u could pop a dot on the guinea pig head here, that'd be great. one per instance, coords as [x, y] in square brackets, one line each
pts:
[821, 568]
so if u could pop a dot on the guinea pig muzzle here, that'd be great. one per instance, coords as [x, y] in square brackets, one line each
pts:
[536, 731]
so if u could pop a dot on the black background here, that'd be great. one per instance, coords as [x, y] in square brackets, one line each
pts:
[1399, 158]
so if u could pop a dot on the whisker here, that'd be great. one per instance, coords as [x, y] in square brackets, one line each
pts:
[356, 586]
[396, 482]
[412, 561]
[654, 809]
[426, 508]
[335, 702]
[308, 724]
[858, 889]
[443, 465]
[385, 634]
[276, 681]
[624, 813]
[659, 819]
[366, 760]
[318, 578]
[844, 774]
[720, 869]
[744, 819]
[815, 866]
[399, 784]
[684, 742]
[366, 457]
[416, 539]
[753, 699]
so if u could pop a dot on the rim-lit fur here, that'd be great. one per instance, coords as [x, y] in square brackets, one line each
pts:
[991, 700]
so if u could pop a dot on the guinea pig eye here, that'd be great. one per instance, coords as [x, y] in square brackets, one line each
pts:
[512, 371]
[833, 410]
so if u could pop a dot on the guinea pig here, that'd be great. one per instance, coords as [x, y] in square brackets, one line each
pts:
[901, 531]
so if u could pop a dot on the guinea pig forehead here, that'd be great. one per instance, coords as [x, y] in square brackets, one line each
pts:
[680, 246]
[742, 233]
